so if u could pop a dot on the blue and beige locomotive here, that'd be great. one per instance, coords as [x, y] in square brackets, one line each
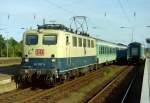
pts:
[54, 52]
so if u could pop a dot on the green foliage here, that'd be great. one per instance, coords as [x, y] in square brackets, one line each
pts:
[14, 47]
[2, 45]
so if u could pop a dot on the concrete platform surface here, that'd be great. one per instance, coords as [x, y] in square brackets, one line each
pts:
[145, 93]
[6, 84]
[4, 79]
[7, 87]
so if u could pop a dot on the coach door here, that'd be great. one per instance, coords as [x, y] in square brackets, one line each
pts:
[68, 44]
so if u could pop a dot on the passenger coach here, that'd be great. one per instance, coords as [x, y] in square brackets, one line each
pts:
[135, 52]
[109, 52]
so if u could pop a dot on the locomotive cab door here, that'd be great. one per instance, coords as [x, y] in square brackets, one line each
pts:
[68, 44]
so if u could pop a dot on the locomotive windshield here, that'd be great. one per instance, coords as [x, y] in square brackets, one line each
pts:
[49, 39]
[31, 39]
[134, 51]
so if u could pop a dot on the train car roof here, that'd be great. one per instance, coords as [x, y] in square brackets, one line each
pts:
[134, 43]
[148, 40]
[119, 45]
[57, 27]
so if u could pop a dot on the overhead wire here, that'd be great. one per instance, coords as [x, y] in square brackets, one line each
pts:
[61, 8]
[124, 12]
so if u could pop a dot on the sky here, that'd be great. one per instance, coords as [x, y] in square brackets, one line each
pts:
[104, 17]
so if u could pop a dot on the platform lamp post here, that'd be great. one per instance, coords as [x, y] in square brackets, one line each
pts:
[132, 30]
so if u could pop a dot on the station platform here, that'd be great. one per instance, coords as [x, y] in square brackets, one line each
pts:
[6, 72]
[145, 93]
[4, 79]
[6, 84]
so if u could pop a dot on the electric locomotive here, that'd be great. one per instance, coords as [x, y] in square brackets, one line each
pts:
[53, 52]
[121, 57]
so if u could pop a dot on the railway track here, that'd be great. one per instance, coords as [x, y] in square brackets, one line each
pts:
[133, 90]
[103, 95]
[62, 90]
[18, 95]
[53, 94]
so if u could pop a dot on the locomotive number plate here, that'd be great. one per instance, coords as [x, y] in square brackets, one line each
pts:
[39, 52]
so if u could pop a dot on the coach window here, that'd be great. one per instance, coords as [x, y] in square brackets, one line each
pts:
[110, 50]
[74, 41]
[80, 42]
[89, 43]
[31, 39]
[106, 50]
[113, 51]
[84, 42]
[102, 50]
[99, 49]
[49, 39]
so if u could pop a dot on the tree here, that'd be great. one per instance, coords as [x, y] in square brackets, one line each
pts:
[11, 46]
[18, 49]
[2, 45]
[14, 47]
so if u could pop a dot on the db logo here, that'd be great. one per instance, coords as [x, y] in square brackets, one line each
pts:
[39, 52]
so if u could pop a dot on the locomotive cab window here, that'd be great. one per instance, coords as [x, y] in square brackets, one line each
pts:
[31, 39]
[49, 39]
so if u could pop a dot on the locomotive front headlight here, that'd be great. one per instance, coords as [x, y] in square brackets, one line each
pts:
[26, 71]
[53, 60]
[26, 60]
